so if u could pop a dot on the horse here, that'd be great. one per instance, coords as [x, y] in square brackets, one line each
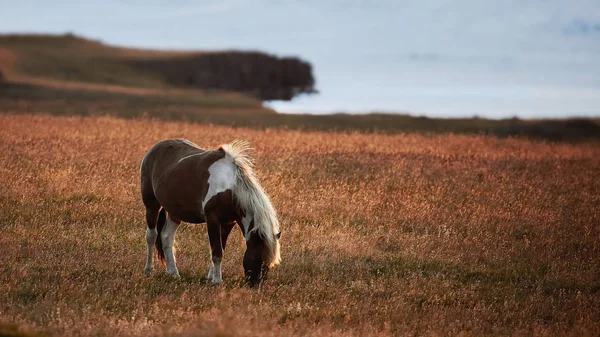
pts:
[182, 182]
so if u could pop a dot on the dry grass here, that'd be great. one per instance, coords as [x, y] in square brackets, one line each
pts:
[382, 234]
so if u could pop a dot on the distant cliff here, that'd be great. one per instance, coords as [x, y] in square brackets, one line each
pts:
[264, 76]
[71, 58]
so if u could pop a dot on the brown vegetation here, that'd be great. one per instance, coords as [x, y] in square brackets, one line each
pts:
[264, 76]
[382, 235]
[233, 109]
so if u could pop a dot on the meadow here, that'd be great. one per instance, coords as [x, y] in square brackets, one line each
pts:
[382, 234]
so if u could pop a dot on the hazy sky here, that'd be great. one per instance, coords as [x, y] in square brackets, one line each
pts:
[530, 58]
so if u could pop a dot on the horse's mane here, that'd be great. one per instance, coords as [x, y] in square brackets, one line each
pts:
[252, 199]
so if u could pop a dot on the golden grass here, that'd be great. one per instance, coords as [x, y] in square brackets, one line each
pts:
[382, 235]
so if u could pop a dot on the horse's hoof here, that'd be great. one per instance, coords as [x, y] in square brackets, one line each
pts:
[213, 282]
[148, 271]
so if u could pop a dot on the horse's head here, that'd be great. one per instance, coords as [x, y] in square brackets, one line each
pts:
[259, 257]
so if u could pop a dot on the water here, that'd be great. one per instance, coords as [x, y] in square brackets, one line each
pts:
[528, 58]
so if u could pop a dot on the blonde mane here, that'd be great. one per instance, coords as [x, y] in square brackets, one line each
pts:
[253, 200]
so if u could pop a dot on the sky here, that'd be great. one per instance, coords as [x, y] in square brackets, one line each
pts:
[496, 59]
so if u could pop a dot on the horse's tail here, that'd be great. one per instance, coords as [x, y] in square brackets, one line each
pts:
[252, 199]
[162, 217]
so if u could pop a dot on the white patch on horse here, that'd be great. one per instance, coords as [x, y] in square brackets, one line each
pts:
[209, 276]
[214, 273]
[221, 178]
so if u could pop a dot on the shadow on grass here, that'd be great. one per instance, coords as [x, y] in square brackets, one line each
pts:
[13, 330]
[522, 278]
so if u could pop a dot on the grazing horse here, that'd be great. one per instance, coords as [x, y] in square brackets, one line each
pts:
[182, 182]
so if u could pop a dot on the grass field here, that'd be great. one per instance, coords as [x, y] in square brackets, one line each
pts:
[391, 224]
[400, 234]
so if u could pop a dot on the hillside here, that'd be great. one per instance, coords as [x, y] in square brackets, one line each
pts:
[71, 58]
[75, 74]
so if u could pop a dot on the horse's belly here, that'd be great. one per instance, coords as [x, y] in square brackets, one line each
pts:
[189, 216]
[189, 211]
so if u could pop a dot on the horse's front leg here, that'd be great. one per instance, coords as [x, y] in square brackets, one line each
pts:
[214, 235]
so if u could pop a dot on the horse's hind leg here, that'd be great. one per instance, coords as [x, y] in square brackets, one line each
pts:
[167, 236]
[152, 216]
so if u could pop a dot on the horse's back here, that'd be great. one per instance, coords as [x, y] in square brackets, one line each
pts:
[167, 152]
[174, 174]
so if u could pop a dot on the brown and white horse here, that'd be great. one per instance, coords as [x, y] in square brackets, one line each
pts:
[182, 182]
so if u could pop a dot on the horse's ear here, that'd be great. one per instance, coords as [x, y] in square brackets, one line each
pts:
[277, 236]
